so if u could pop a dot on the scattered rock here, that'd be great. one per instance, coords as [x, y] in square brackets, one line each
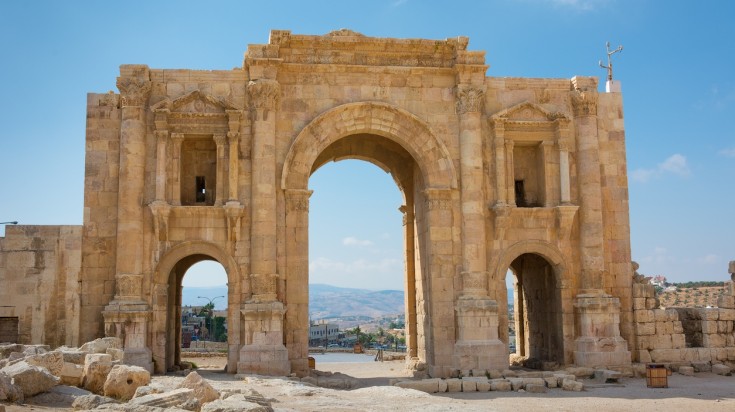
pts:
[702, 366]
[7, 348]
[123, 380]
[101, 345]
[720, 369]
[31, 379]
[165, 400]
[117, 354]
[145, 390]
[8, 391]
[552, 382]
[90, 401]
[35, 349]
[581, 372]
[96, 368]
[607, 376]
[535, 388]
[202, 389]
[74, 356]
[424, 385]
[60, 396]
[235, 403]
[686, 370]
[71, 374]
[52, 361]
[570, 385]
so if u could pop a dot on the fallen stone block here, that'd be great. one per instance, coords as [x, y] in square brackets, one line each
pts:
[31, 379]
[454, 385]
[469, 386]
[92, 401]
[535, 388]
[702, 366]
[170, 399]
[35, 349]
[570, 385]
[52, 361]
[720, 369]
[533, 381]
[607, 376]
[123, 380]
[443, 385]
[686, 370]
[581, 372]
[117, 354]
[71, 374]
[145, 390]
[101, 345]
[8, 391]
[74, 356]
[202, 389]
[96, 369]
[60, 396]
[424, 385]
[516, 383]
[235, 403]
[7, 348]
[509, 373]
[500, 385]
[552, 382]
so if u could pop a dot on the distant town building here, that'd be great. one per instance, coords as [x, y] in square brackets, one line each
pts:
[659, 280]
[323, 333]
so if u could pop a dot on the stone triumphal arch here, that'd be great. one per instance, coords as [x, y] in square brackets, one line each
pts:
[497, 175]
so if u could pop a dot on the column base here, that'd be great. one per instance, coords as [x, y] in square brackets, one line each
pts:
[597, 352]
[271, 360]
[599, 343]
[480, 356]
[139, 357]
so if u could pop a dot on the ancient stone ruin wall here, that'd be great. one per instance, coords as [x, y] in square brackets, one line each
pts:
[40, 283]
[684, 336]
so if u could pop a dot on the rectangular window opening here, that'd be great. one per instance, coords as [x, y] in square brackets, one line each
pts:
[201, 189]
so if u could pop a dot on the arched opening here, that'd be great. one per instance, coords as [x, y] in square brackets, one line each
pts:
[537, 310]
[385, 258]
[190, 321]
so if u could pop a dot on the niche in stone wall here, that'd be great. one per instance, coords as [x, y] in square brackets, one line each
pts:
[198, 170]
[528, 170]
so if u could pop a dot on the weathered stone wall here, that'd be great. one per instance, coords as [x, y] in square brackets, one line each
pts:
[40, 282]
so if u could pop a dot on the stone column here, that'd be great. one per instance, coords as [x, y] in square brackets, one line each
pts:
[546, 147]
[410, 285]
[234, 141]
[161, 139]
[127, 315]
[478, 347]
[219, 190]
[263, 351]
[297, 279]
[499, 145]
[562, 141]
[177, 139]
[510, 172]
[597, 315]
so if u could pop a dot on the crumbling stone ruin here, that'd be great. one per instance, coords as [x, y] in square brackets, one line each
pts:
[498, 174]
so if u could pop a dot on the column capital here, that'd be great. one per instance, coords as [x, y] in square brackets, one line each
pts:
[469, 99]
[177, 137]
[133, 91]
[264, 93]
[161, 135]
[219, 139]
[233, 136]
[297, 200]
[584, 103]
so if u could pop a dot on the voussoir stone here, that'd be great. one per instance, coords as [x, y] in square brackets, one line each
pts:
[123, 380]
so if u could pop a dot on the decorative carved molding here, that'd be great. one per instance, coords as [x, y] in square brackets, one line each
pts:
[264, 93]
[219, 140]
[469, 99]
[297, 200]
[196, 102]
[584, 103]
[474, 283]
[128, 286]
[438, 199]
[161, 118]
[110, 99]
[344, 33]
[264, 287]
[133, 92]
[527, 113]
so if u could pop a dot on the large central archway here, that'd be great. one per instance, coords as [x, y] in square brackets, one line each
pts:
[401, 144]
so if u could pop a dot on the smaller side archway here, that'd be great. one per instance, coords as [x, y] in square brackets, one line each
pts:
[167, 288]
[536, 323]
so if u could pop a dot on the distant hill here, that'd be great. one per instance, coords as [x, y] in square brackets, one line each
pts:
[325, 301]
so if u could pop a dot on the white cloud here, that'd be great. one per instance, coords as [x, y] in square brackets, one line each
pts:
[353, 241]
[674, 164]
[324, 265]
[710, 259]
[728, 152]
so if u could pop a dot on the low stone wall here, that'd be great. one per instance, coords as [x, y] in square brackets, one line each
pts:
[683, 336]
[206, 345]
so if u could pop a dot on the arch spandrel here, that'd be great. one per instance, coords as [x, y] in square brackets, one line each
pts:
[381, 119]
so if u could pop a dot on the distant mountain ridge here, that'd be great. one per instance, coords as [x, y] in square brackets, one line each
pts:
[325, 301]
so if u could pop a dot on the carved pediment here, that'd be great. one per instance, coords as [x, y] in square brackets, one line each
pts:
[196, 102]
[344, 33]
[528, 113]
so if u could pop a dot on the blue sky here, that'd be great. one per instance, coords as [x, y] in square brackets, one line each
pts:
[676, 70]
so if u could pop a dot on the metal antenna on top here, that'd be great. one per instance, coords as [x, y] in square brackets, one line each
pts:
[609, 60]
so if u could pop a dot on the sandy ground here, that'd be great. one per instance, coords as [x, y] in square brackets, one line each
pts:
[702, 392]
